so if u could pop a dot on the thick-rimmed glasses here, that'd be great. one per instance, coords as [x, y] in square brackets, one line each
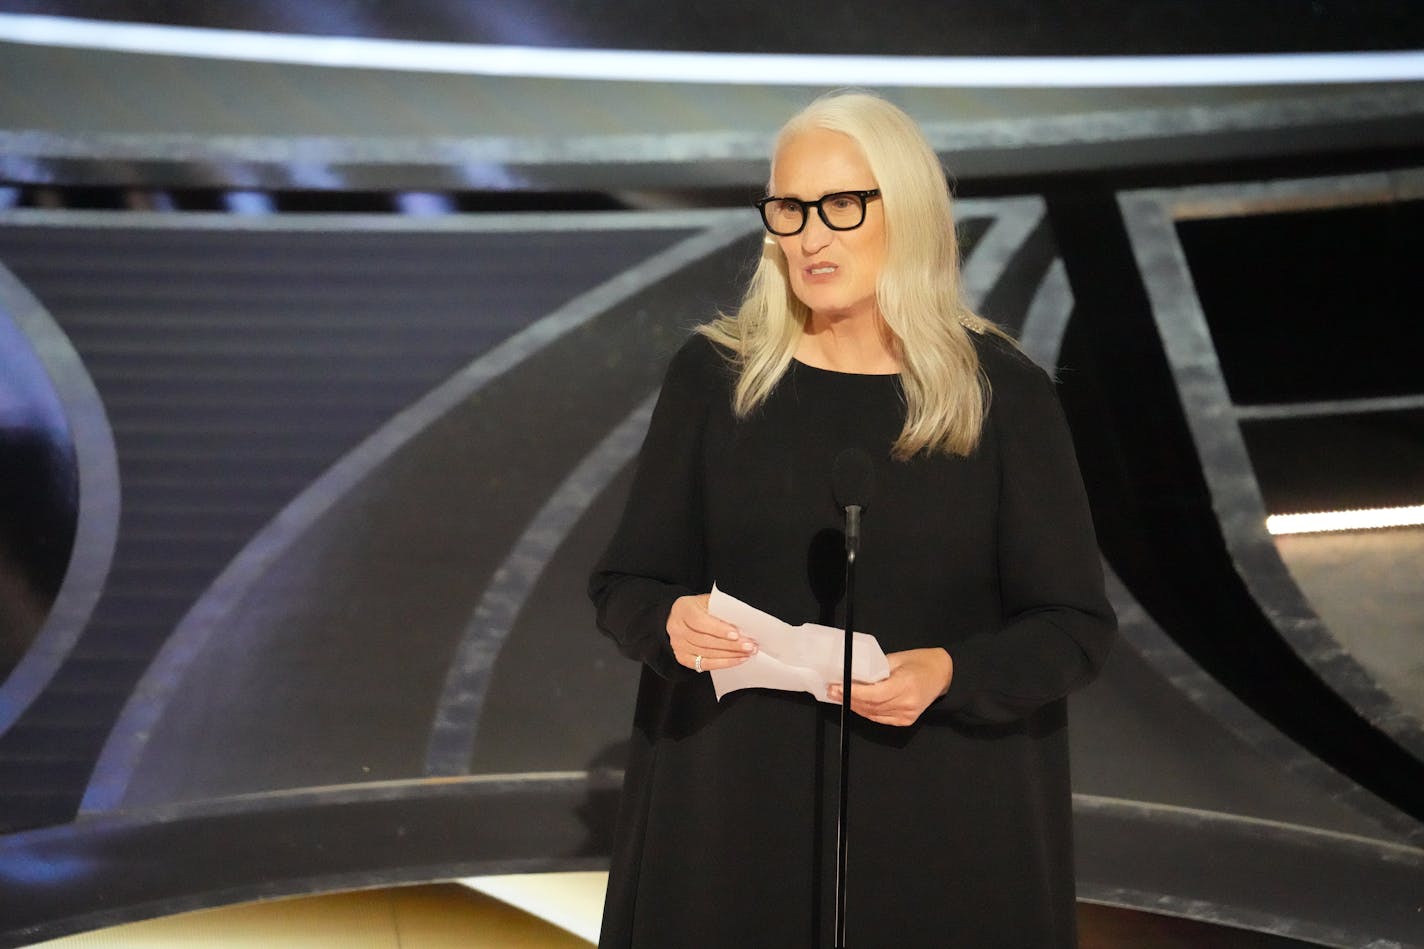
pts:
[841, 211]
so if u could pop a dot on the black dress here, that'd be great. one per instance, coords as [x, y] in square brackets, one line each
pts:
[959, 824]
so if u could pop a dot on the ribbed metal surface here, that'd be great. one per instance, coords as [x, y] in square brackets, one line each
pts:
[235, 367]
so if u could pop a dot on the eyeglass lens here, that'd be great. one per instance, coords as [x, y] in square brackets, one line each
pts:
[840, 211]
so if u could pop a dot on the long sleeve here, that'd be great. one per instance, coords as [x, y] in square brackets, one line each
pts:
[657, 552]
[1058, 625]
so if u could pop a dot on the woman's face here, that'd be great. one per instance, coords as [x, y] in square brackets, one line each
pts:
[834, 273]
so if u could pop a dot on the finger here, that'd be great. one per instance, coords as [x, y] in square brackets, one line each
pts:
[707, 624]
[708, 644]
[694, 631]
[874, 712]
[712, 645]
[708, 657]
[701, 619]
[890, 711]
[897, 719]
[708, 664]
[894, 716]
[868, 693]
[715, 645]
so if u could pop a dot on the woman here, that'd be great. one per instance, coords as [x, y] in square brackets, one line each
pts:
[978, 573]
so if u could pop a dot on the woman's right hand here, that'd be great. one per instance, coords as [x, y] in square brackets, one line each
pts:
[702, 642]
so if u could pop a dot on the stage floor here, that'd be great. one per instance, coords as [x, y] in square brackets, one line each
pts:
[537, 911]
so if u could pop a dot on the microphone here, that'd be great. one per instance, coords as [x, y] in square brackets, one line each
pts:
[853, 485]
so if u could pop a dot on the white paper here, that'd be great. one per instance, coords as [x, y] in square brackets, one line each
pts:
[805, 658]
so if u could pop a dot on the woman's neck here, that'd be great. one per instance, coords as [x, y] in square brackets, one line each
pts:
[863, 345]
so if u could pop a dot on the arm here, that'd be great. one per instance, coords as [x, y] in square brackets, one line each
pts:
[1058, 624]
[656, 554]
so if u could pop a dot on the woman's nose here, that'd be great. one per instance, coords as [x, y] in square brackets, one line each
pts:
[815, 235]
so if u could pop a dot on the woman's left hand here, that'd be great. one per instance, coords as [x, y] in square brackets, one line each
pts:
[917, 678]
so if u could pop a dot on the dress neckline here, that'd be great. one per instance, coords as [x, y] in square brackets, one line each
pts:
[837, 372]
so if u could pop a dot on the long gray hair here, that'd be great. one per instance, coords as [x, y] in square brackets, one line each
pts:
[918, 292]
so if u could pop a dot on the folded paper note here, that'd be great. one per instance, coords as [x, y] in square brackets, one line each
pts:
[803, 658]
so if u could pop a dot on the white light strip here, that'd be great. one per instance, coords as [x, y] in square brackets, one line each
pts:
[1367, 519]
[717, 68]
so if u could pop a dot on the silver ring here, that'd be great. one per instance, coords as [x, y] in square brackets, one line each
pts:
[697, 663]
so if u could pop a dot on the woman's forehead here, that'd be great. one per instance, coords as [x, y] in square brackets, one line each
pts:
[813, 162]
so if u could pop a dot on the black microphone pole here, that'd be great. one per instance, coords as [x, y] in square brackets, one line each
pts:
[852, 478]
[852, 513]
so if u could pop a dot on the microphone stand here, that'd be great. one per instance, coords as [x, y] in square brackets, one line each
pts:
[852, 513]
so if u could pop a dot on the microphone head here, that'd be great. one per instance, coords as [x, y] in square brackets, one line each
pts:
[853, 478]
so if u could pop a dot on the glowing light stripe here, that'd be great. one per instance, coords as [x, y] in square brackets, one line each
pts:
[1366, 519]
[717, 68]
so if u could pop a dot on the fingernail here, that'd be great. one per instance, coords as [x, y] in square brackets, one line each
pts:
[733, 634]
[749, 647]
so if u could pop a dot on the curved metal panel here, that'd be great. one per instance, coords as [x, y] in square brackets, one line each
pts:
[1042, 338]
[129, 738]
[1236, 496]
[97, 520]
[1012, 220]
[1327, 888]
[1250, 873]
[452, 736]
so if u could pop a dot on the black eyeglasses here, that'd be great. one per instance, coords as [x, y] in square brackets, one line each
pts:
[842, 211]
